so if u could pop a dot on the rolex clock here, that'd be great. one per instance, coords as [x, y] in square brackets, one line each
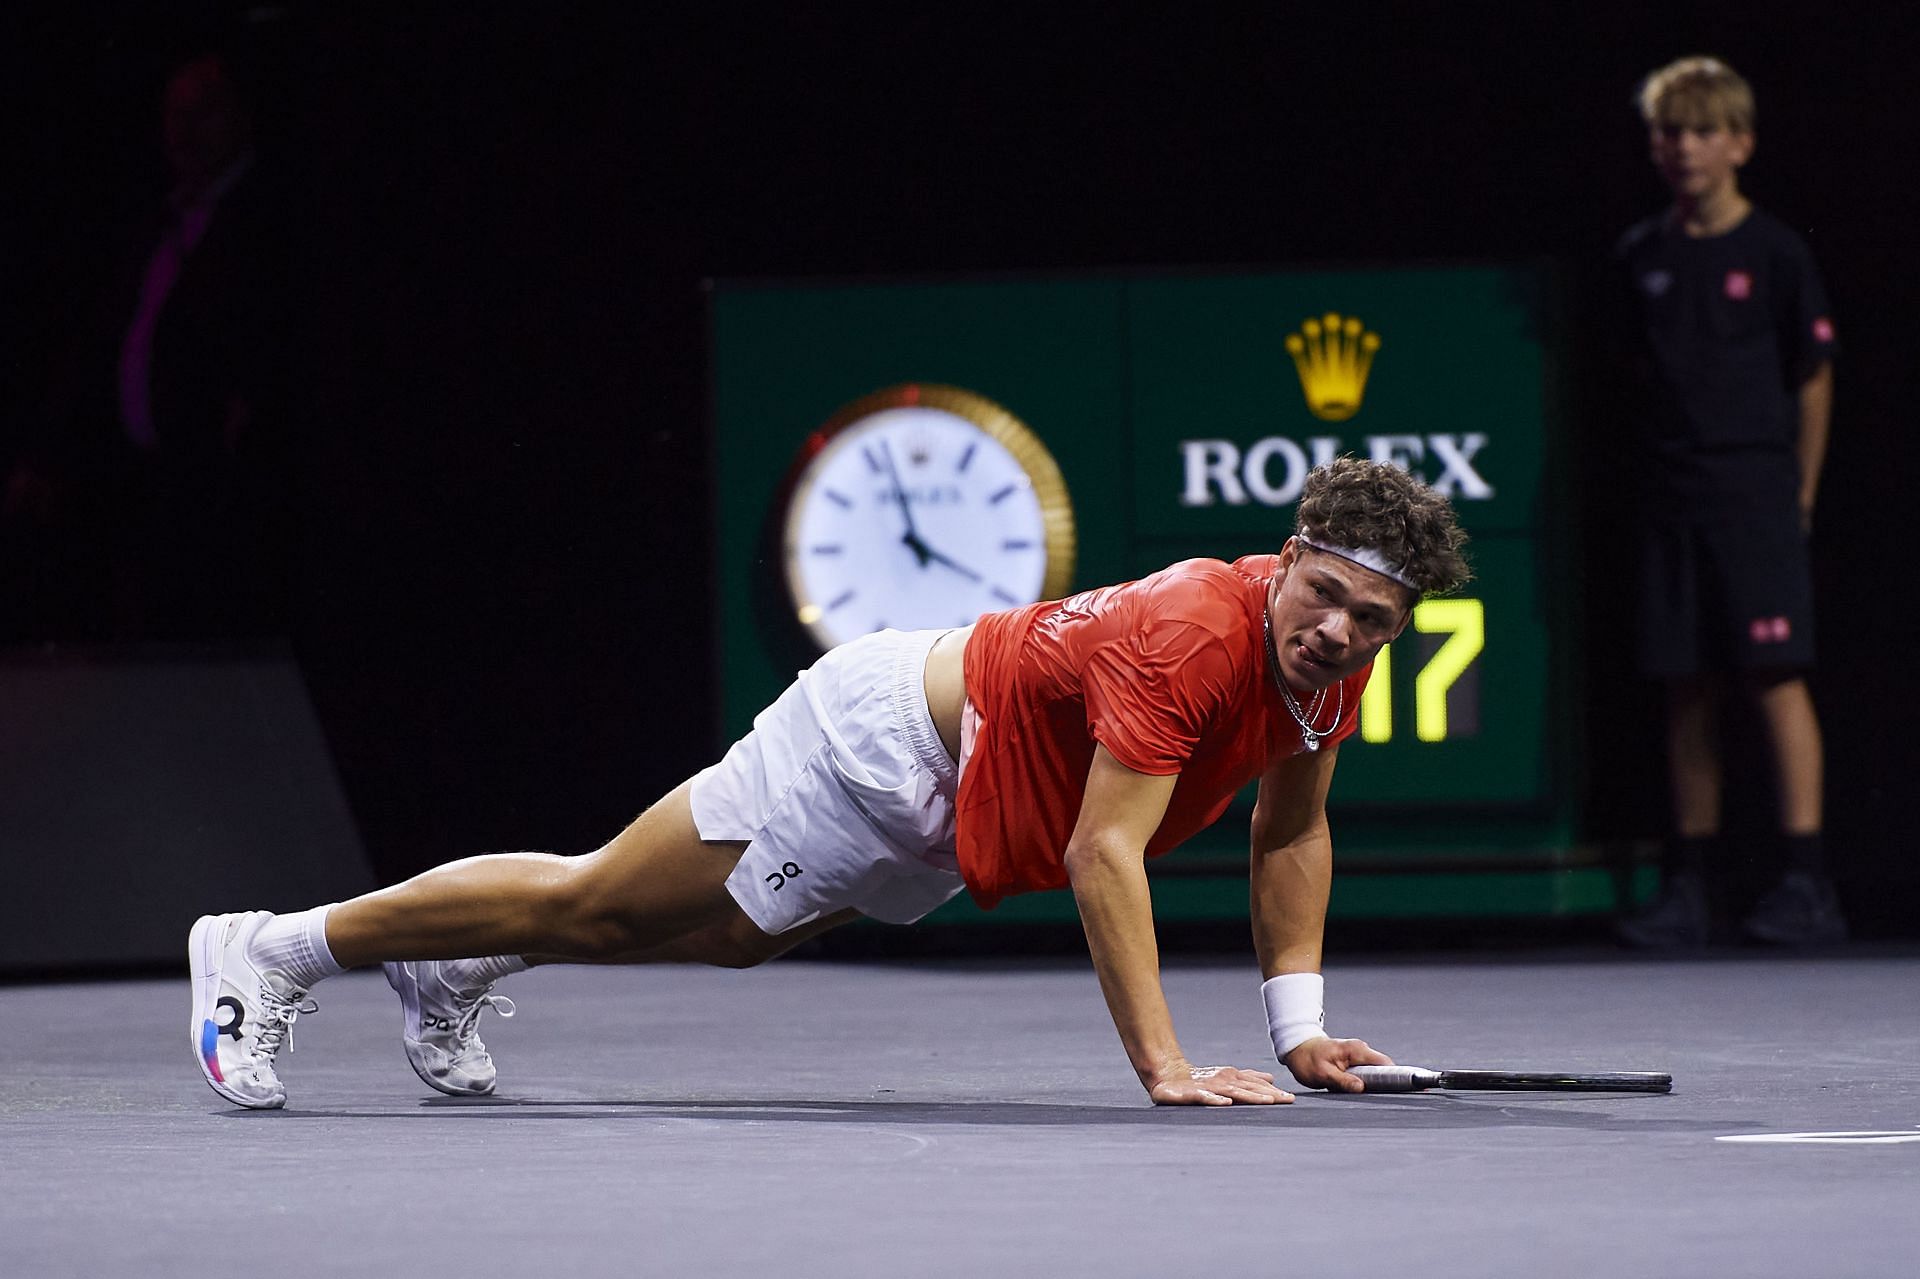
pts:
[920, 507]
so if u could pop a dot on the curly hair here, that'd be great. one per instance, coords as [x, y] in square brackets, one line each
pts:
[1377, 506]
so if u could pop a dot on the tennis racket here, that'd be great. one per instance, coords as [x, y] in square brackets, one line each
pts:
[1419, 1078]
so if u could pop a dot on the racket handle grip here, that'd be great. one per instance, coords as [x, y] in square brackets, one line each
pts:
[1396, 1078]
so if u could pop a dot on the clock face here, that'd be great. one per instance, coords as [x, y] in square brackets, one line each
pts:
[923, 508]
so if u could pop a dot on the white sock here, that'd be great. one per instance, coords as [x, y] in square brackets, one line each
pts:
[471, 974]
[296, 944]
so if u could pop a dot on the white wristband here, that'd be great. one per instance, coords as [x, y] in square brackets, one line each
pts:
[1296, 1009]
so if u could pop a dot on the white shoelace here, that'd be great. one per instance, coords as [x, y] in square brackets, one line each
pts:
[279, 1016]
[467, 1026]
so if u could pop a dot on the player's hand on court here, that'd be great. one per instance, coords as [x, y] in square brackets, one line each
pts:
[1323, 1062]
[1188, 1085]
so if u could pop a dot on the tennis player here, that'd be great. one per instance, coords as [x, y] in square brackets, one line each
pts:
[1055, 745]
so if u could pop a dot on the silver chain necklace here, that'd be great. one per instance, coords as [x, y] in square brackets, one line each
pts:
[1310, 736]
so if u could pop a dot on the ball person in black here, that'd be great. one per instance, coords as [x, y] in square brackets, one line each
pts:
[1737, 366]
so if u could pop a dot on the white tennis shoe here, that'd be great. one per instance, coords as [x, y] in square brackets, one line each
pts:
[242, 1015]
[441, 1027]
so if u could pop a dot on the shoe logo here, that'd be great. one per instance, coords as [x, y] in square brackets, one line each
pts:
[437, 1023]
[239, 1016]
[780, 877]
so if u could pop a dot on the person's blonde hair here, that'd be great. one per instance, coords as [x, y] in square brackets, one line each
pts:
[1697, 93]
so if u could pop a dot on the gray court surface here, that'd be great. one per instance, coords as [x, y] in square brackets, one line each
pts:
[901, 1118]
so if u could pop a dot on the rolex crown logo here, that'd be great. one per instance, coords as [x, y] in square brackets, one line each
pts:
[1333, 355]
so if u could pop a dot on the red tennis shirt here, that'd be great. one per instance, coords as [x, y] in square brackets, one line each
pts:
[1169, 673]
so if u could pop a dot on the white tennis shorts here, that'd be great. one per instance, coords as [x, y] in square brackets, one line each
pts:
[843, 791]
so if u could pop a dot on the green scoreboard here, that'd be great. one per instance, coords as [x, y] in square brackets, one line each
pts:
[1183, 412]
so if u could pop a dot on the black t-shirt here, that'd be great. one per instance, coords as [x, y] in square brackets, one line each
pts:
[1733, 324]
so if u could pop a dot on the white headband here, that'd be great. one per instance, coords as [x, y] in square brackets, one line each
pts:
[1366, 558]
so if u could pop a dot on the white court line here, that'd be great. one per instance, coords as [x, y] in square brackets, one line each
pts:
[1870, 1137]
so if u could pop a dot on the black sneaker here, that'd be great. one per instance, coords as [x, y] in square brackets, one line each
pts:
[1801, 910]
[1677, 918]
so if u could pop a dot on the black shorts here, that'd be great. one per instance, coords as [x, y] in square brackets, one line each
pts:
[1733, 595]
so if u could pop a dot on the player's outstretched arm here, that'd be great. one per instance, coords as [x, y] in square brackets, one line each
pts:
[1289, 880]
[1106, 862]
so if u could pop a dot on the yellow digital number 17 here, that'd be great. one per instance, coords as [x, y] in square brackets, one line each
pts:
[1464, 622]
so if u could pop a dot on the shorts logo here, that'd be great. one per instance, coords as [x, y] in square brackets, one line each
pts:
[1654, 283]
[1739, 285]
[1823, 330]
[780, 877]
[1769, 630]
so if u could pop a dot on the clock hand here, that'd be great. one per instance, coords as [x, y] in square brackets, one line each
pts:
[912, 538]
[959, 568]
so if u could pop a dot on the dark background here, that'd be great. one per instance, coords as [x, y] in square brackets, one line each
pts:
[499, 219]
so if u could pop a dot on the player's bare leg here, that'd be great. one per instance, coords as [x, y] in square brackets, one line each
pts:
[734, 941]
[656, 881]
[602, 908]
